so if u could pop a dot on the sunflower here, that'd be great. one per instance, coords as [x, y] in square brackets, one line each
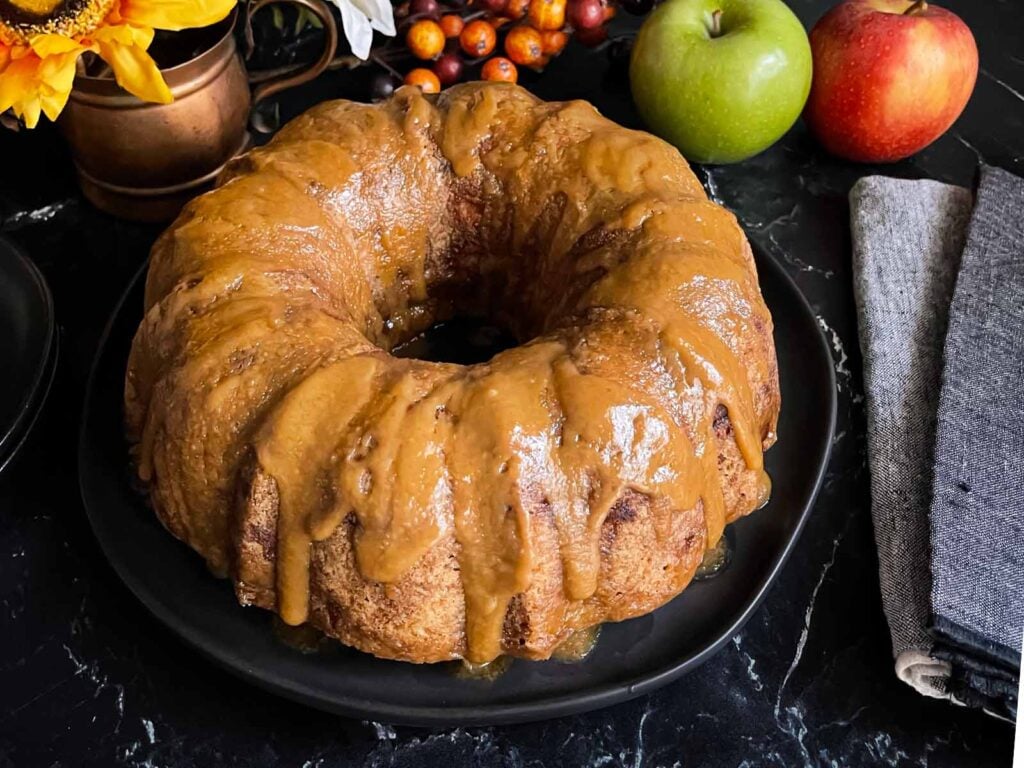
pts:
[41, 41]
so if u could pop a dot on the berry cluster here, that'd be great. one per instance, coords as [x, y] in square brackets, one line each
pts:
[448, 38]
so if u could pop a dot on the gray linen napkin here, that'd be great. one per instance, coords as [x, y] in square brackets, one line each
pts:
[947, 469]
[907, 241]
[977, 507]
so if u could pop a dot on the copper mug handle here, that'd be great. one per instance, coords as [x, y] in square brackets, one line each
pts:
[267, 88]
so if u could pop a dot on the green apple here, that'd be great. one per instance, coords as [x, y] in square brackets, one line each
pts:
[721, 79]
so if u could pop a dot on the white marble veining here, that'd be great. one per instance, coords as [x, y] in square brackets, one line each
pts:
[39, 215]
[1002, 84]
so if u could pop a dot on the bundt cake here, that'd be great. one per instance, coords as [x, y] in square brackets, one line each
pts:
[427, 511]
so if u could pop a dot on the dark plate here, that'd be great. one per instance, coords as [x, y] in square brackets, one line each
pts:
[631, 658]
[28, 347]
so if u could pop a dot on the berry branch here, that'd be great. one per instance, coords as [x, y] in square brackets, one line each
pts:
[445, 41]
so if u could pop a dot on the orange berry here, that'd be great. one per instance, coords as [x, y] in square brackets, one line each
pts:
[478, 38]
[499, 21]
[425, 39]
[609, 11]
[499, 68]
[524, 45]
[516, 9]
[425, 79]
[547, 14]
[452, 24]
[552, 41]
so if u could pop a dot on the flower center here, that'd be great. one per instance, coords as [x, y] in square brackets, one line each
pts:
[37, 7]
[20, 20]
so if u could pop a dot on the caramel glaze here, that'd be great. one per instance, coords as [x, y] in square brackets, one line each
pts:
[428, 511]
[578, 645]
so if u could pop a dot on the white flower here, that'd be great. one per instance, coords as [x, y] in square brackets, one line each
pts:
[360, 17]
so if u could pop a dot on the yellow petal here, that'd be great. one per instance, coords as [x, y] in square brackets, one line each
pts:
[18, 89]
[58, 71]
[58, 74]
[30, 85]
[175, 14]
[50, 45]
[133, 68]
[29, 111]
[125, 34]
[20, 52]
[5, 56]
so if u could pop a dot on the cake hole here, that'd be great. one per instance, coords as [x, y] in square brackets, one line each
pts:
[462, 340]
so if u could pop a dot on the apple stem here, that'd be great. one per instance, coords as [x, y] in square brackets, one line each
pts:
[919, 7]
[715, 30]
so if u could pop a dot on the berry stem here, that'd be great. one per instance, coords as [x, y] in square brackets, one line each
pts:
[919, 7]
[381, 62]
[715, 28]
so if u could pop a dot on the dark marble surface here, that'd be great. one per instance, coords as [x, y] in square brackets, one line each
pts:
[88, 678]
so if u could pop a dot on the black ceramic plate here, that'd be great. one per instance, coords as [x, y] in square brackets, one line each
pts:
[28, 347]
[631, 658]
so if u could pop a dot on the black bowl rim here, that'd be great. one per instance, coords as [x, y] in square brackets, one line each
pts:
[42, 394]
[13, 437]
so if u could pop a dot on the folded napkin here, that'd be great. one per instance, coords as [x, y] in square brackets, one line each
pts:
[939, 286]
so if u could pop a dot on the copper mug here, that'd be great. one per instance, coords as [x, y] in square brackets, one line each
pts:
[144, 161]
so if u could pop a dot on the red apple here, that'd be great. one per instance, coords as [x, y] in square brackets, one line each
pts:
[890, 77]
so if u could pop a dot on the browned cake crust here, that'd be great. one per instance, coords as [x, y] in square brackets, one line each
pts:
[426, 511]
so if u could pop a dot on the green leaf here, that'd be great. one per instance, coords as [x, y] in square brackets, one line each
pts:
[307, 18]
[277, 17]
